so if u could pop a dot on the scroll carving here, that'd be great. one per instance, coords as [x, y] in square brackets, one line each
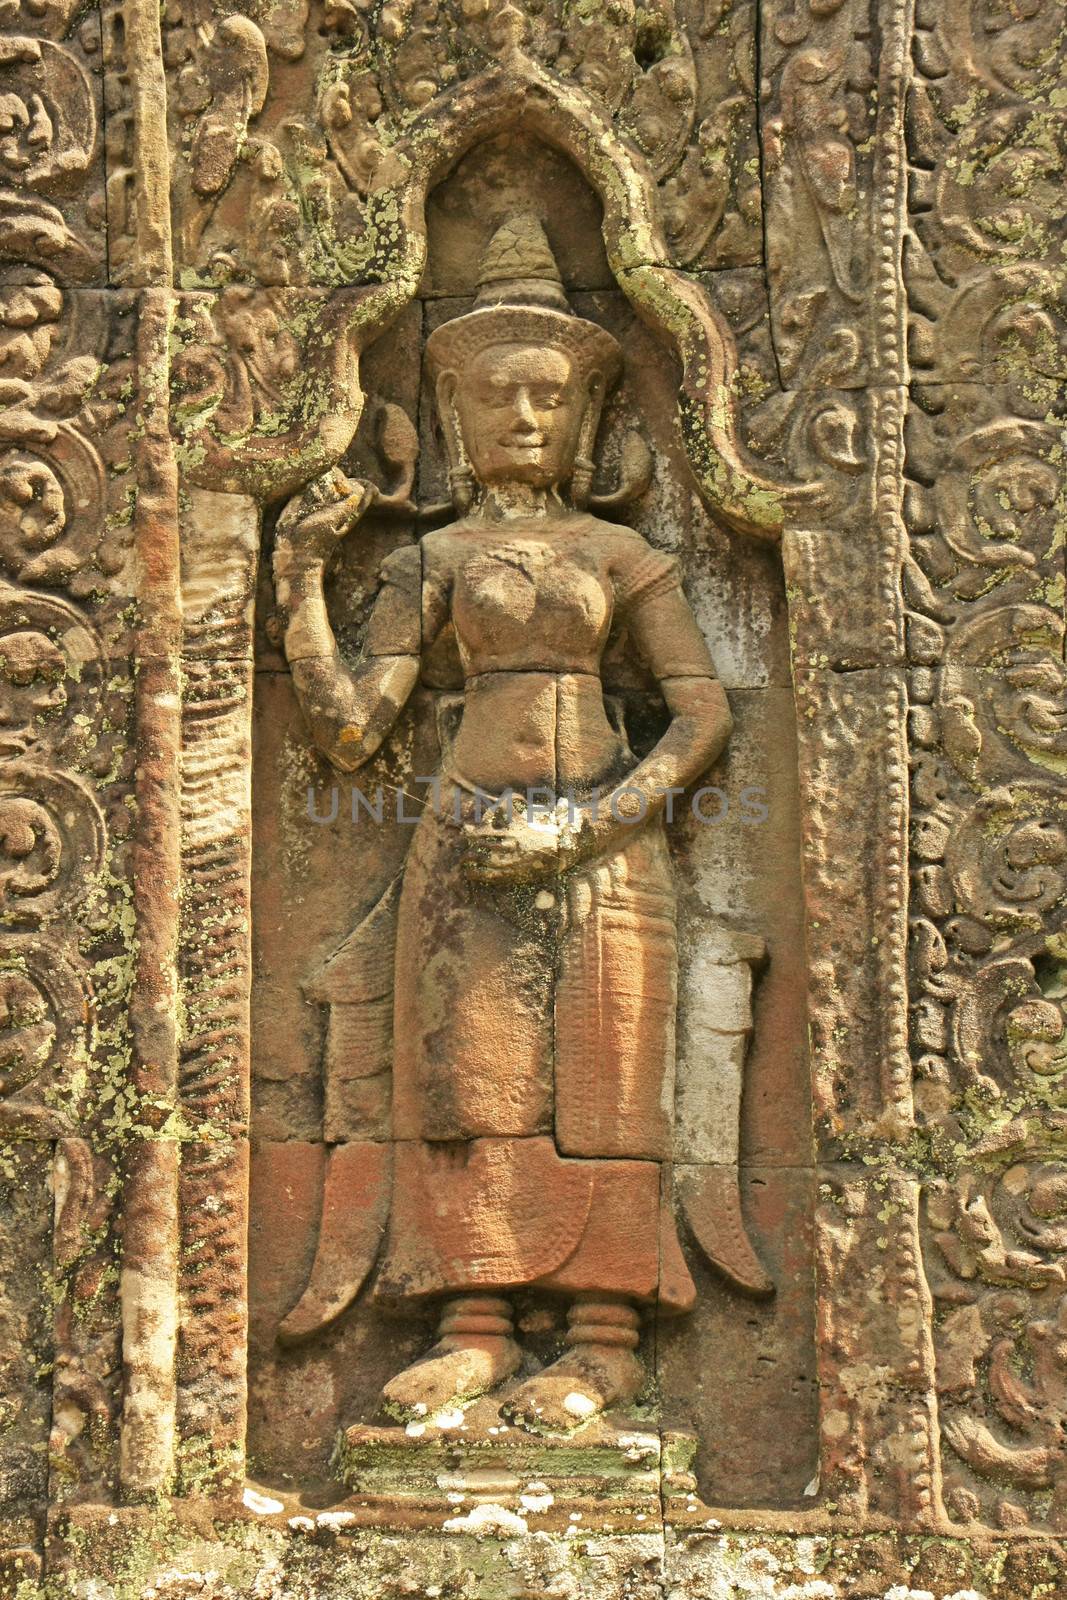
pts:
[998, 1276]
[65, 737]
[49, 146]
[987, 629]
[690, 115]
[282, 485]
[986, 642]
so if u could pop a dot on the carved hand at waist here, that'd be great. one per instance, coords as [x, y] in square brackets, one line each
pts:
[520, 848]
[519, 851]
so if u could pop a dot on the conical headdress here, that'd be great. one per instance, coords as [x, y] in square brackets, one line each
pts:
[521, 300]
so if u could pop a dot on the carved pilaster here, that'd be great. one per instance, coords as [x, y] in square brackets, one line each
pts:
[986, 649]
[827, 237]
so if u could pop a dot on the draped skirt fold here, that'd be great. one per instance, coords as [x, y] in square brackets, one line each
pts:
[534, 1076]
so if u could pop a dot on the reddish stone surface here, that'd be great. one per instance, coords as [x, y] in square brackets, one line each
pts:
[715, 1171]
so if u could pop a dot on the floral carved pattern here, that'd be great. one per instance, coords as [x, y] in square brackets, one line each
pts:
[827, 235]
[986, 646]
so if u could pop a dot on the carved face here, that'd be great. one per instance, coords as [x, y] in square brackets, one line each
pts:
[520, 408]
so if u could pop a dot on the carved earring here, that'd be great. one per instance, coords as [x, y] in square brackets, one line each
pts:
[584, 465]
[460, 473]
[461, 488]
[582, 480]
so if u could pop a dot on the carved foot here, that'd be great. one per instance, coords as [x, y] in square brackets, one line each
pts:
[474, 1353]
[599, 1371]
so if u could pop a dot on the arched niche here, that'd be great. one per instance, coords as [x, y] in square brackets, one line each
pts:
[738, 870]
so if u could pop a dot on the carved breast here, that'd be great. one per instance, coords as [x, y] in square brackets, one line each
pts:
[527, 605]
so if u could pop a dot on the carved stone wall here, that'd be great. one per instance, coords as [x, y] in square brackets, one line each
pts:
[828, 235]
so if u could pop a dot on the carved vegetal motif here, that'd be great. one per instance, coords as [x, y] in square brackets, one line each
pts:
[986, 633]
[54, 751]
[63, 374]
[43, 1009]
[984, 274]
[985, 639]
[65, 693]
[82, 1444]
[53, 703]
[680, 87]
[999, 1278]
[51, 842]
[827, 178]
[241, 360]
[983, 270]
[58, 946]
[48, 146]
[821, 71]
[519, 1041]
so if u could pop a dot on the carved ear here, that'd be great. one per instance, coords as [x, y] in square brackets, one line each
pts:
[460, 476]
[445, 394]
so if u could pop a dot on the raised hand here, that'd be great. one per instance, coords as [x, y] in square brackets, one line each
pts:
[314, 522]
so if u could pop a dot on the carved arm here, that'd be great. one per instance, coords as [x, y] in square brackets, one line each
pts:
[701, 724]
[665, 633]
[350, 711]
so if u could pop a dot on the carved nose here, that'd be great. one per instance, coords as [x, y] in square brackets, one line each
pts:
[525, 421]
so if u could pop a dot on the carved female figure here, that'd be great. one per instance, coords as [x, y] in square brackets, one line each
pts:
[535, 974]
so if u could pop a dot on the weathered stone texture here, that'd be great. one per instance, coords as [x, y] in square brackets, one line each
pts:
[825, 239]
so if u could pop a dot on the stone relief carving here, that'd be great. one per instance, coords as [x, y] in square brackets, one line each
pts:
[48, 147]
[999, 1284]
[531, 1074]
[295, 414]
[688, 109]
[986, 643]
[66, 760]
[823, 178]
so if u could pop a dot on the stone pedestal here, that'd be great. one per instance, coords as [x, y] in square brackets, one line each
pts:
[483, 1474]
